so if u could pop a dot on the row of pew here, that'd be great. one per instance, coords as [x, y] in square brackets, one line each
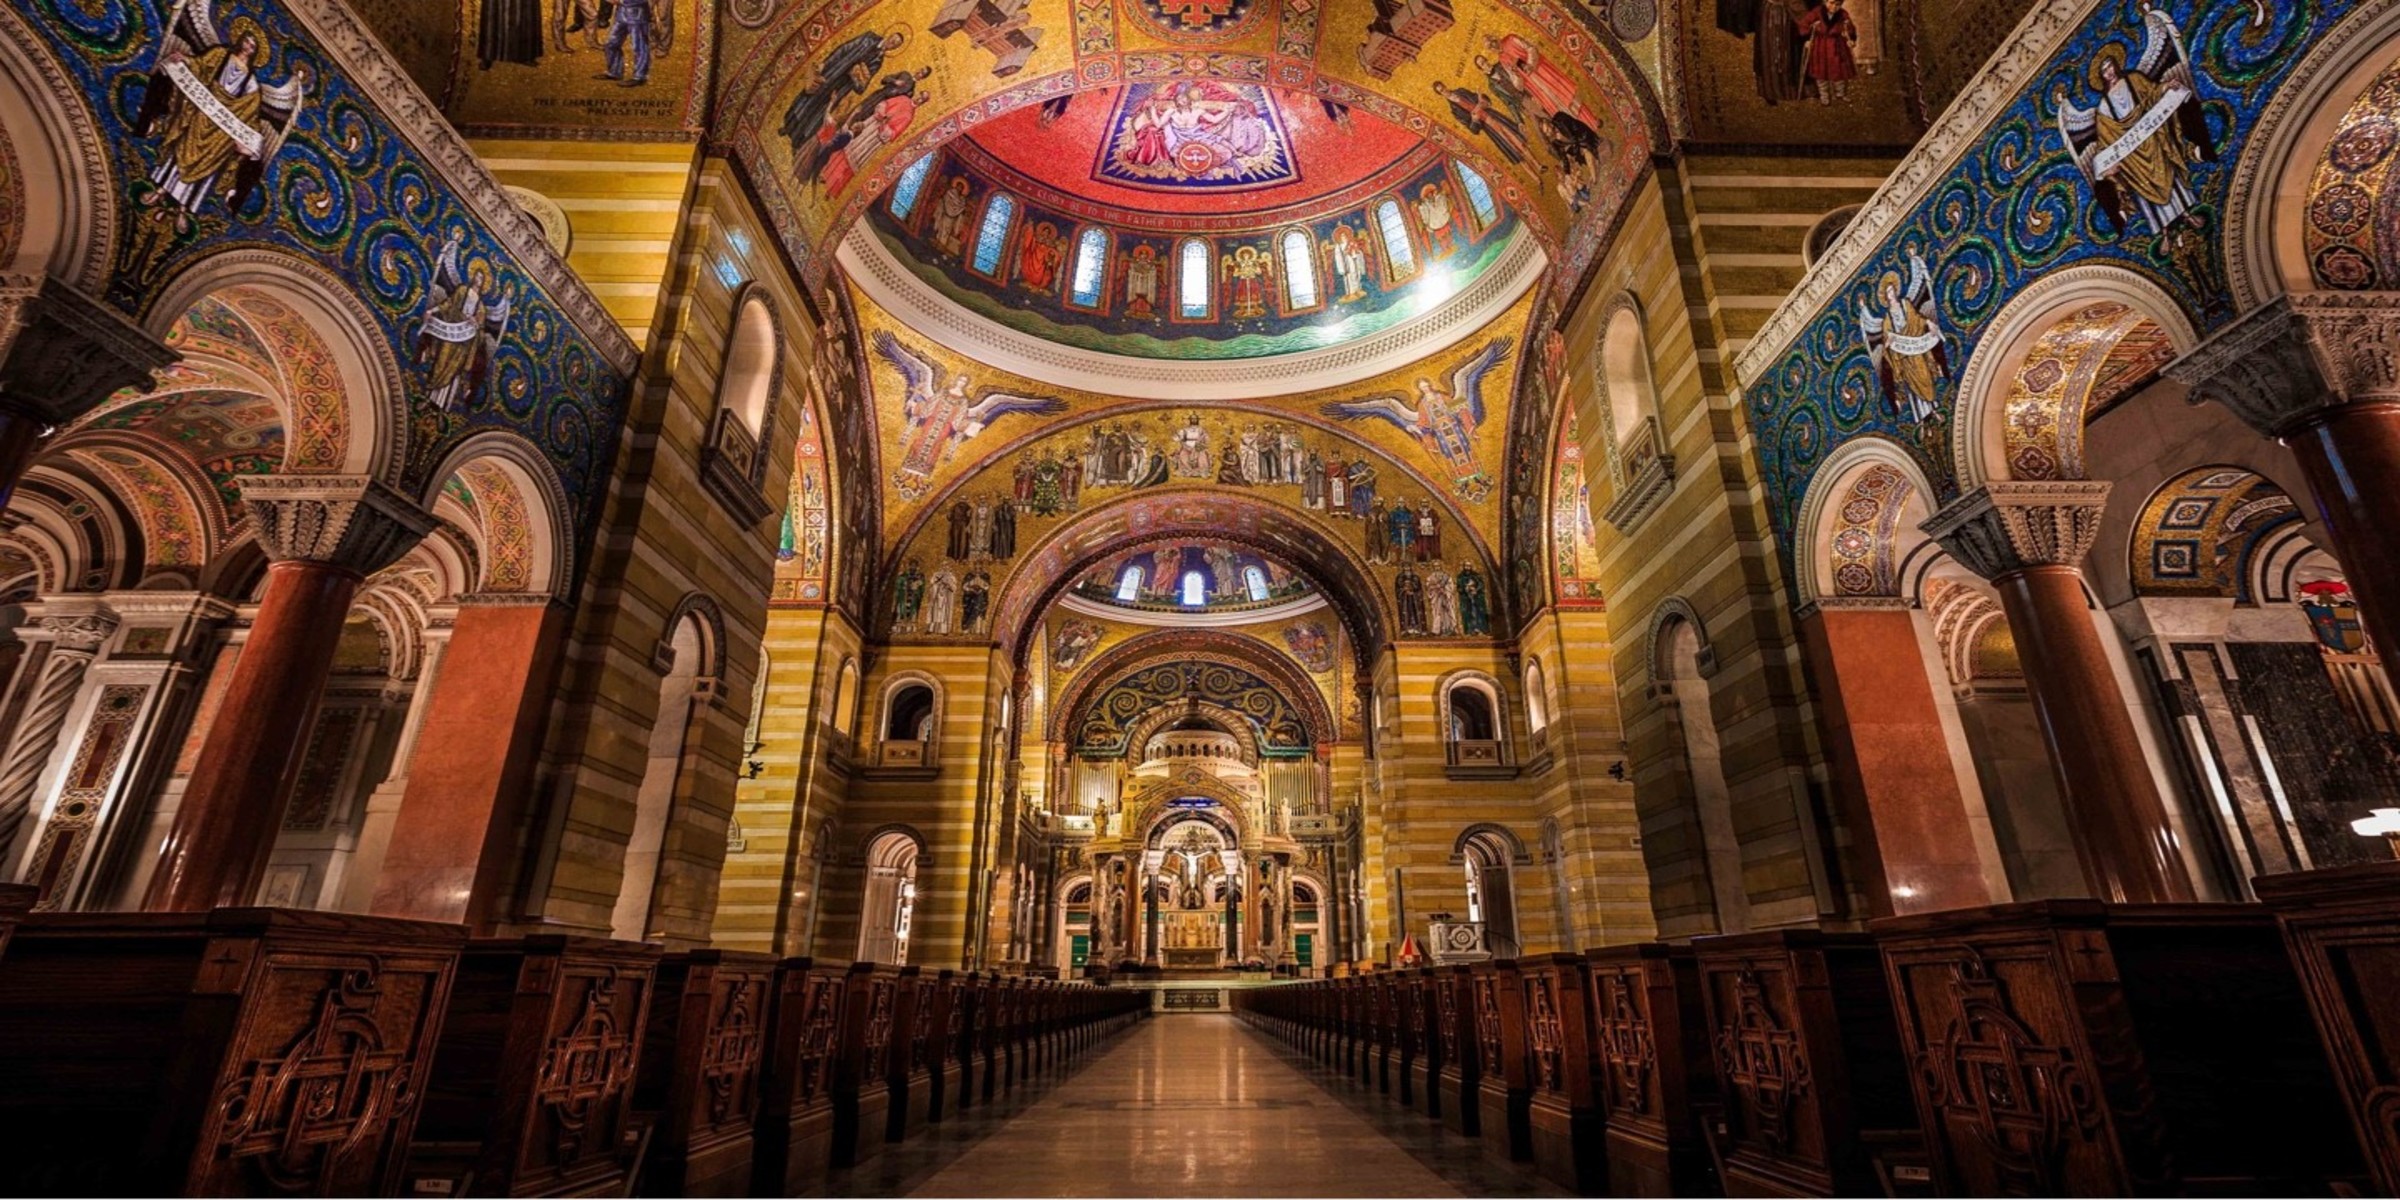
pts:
[2044, 1049]
[264, 1051]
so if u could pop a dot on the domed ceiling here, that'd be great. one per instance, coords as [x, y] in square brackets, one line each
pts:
[1193, 219]
[1192, 577]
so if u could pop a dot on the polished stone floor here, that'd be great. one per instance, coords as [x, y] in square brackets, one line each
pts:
[1192, 1105]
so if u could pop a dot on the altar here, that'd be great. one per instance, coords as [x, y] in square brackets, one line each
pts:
[1193, 939]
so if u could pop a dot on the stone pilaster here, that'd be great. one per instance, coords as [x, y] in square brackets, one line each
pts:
[62, 352]
[350, 522]
[2012, 525]
[75, 638]
[2287, 363]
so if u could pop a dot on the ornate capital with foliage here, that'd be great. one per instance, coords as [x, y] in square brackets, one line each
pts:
[62, 352]
[78, 632]
[2287, 361]
[345, 521]
[2013, 525]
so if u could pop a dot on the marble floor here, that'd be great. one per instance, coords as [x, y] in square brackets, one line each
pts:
[1192, 1105]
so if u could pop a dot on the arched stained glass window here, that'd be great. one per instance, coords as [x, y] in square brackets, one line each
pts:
[1479, 194]
[1397, 249]
[1129, 585]
[991, 238]
[910, 185]
[1191, 280]
[1256, 581]
[1091, 267]
[1195, 589]
[1299, 270]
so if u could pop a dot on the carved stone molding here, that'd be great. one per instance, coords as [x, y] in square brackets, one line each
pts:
[346, 521]
[62, 352]
[1850, 604]
[1647, 486]
[78, 633]
[2287, 361]
[2013, 525]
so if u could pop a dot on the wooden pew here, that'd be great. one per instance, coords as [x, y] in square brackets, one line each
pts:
[532, 1083]
[240, 1052]
[2342, 927]
[908, 1060]
[795, 1115]
[862, 1094]
[700, 1071]
[949, 1020]
[1808, 1061]
[1461, 1077]
[1650, 1048]
[1400, 1008]
[1569, 1136]
[16, 899]
[1505, 1091]
[2079, 1048]
[1425, 1070]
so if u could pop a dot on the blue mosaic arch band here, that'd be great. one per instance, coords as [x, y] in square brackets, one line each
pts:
[2116, 148]
[247, 125]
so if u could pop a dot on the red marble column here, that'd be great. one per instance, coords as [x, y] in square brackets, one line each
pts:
[2321, 373]
[325, 534]
[473, 768]
[61, 354]
[1893, 773]
[2028, 539]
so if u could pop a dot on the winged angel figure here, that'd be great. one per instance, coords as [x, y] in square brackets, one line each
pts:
[217, 121]
[2136, 144]
[466, 320]
[1443, 422]
[1904, 340]
[940, 417]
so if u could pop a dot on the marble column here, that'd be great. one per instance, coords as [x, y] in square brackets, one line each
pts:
[61, 354]
[74, 638]
[1893, 776]
[2029, 539]
[471, 771]
[323, 535]
[2320, 372]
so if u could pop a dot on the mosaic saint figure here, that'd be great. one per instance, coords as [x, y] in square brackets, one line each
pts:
[1443, 422]
[846, 70]
[1401, 527]
[1441, 229]
[1441, 603]
[1049, 486]
[981, 541]
[1408, 593]
[1348, 254]
[941, 602]
[1191, 457]
[908, 595]
[950, 217]
[1776, 48]
[631, 31]
[1037, 262]
[974, 602]
[1362, 488]
[1832, 41]
[962, 532]
[879, 117]
[218, 124]
[1312, 481]
[464, 324]
[1245, 276]
[941, 419]
[1141, 283]
[1477, 114]
[2138, 142]
[1904, 340]
[508, 31]
[1337, 486]
[1379, 535]
[1474, 603]
[1429, 532]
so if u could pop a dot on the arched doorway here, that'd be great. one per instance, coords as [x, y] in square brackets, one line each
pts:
[890, 897]
[1489, 856]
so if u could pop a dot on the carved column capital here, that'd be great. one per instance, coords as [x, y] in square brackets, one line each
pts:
[2286, 362]
[62, 352]
[2013, 525]
[346, 521]
[77, 632]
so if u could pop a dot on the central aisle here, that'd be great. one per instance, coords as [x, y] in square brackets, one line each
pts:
[1201, 1105]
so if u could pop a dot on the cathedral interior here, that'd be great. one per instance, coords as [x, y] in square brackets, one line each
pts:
[1199, 597]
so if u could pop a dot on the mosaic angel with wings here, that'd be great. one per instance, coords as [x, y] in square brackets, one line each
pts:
[2136, 144]
[466, 319]
[1444, 422]
[218, 123]
[941, 416]
[1903, 333]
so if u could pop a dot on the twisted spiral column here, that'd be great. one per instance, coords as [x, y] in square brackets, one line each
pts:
[74, 642]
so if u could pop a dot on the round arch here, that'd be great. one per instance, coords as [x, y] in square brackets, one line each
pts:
[373, 412]
[70, 228]
[1042, 574]
[1823, 517]
[532, 512]
[2268, 192]
[1268, 663]
[1978, 442]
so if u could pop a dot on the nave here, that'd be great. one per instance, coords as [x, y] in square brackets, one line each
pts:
[1194, 1105]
